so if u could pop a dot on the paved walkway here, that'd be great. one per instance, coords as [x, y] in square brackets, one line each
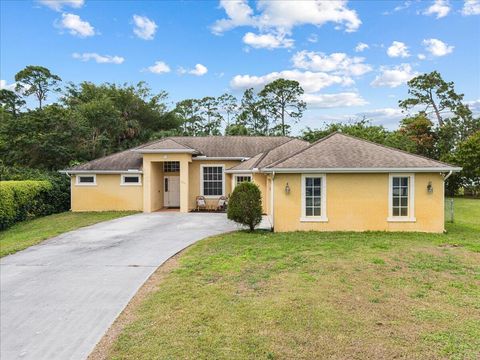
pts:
[58, 298]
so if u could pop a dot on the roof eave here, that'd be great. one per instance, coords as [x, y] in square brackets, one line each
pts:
[73, 171]
[165, 151]
[360, 170]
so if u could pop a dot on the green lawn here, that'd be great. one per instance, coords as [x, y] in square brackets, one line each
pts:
[317, 295]
[28, 233]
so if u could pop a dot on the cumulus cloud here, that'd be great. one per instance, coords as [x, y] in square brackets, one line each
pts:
[313, 38]
[340, 63]
[199, 70]
[471, 7]
[421, 57]
[437, 47]
[76, 26]
[267, 41]
[440, 8]
[361, 46]
[310, 81]
[398, 49]
[159, 67]
[58, 5]
[394, 76]
[144, 28]
[325, 101]
[278, 18]
[100, 59]
[6, 86]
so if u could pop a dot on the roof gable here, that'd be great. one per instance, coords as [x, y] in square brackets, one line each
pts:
[339, 151]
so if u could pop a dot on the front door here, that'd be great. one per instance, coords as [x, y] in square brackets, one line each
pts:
[171, 191]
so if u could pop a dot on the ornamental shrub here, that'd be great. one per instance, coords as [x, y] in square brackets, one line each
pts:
[22, 200]
[245, 205]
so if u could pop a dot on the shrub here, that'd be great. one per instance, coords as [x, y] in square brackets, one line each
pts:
[57, 199]
[245, 205]
[21, 200]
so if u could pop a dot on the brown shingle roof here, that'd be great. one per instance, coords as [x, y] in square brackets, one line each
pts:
[339, 151]
[224, 146]
[121, 161]
[163, 144]
[280, 152]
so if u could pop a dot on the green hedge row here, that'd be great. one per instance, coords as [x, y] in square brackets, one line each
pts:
[21, 200]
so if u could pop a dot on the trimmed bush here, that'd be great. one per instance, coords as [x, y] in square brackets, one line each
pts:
[22, 200]
[245, 205]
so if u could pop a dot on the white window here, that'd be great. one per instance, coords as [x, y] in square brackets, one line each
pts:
[86, 180]
[401, 197]
[242, 178]
[212, 180]
[130, 180]
[314, 197]
[171, 166]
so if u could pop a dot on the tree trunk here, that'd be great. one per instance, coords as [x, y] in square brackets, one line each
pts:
[437, 113]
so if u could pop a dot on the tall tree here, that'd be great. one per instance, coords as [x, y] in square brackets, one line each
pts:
[282, 99]
[37, 80]
[418, 128]
[11, 101]
[434, 95]
[229, 106]
[252, 114]
[211, 118]
[188, 111]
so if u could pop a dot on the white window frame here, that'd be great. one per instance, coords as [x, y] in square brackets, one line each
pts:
[235, 176]
[202, 166]
[323, 205]
[123, 183]
[411, 198]
[78, 183]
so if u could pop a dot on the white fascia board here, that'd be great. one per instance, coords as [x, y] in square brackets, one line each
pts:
[100, 172]
[359, 170]
[165, 151]
[198, 158]
[238, 171]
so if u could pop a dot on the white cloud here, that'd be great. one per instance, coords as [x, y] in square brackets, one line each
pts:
[100, 59]
[389, 117]
[398, 49]
[361, 46]
[471, 7]
[313, 38]
[267, 41]
[437, 47]
[421, 57]
[310, 81]
[144, 27]
[57, 5]
[324, 101]
[199, 70]
[4, 85]
[158, 68]
[440, 8]
[394, 76]
[76, 25]
[280, 17]
[339, 63]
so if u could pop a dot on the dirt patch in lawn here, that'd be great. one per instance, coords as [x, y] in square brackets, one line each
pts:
[128, 315]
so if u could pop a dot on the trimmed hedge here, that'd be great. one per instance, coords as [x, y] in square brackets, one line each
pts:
[22, 200]
[245, 205]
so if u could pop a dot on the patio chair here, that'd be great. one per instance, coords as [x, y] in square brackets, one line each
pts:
[201, 203]
[222, 203]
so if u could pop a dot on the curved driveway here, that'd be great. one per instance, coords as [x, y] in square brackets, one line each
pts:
[58, 298]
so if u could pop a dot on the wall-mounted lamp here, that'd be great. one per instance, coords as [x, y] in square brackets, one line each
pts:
[287, 189]
[430, 187]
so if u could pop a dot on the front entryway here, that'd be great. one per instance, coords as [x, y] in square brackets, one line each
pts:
[171, 191]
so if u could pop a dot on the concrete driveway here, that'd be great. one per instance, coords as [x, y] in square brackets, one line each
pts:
[58, 298]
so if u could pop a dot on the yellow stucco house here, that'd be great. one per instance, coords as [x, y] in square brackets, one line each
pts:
[339, 183]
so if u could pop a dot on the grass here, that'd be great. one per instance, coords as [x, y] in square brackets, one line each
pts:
[313, 295]
[28, 233]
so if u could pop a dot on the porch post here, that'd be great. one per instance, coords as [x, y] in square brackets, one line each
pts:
[184, 185]
[147, 193]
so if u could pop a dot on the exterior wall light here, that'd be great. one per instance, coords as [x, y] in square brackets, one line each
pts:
[287, 189]
[430, 187]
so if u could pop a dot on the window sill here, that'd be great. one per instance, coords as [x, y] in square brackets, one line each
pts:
[130, 184]
[401, 219]
[313, 219]
[85, 184]
[212, 196]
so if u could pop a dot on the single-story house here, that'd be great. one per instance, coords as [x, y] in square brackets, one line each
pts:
[339, 183]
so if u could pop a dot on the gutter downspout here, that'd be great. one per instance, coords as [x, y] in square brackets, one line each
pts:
[448, 175]
[273, 200]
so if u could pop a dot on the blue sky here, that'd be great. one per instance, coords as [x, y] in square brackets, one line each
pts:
[352, 58]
